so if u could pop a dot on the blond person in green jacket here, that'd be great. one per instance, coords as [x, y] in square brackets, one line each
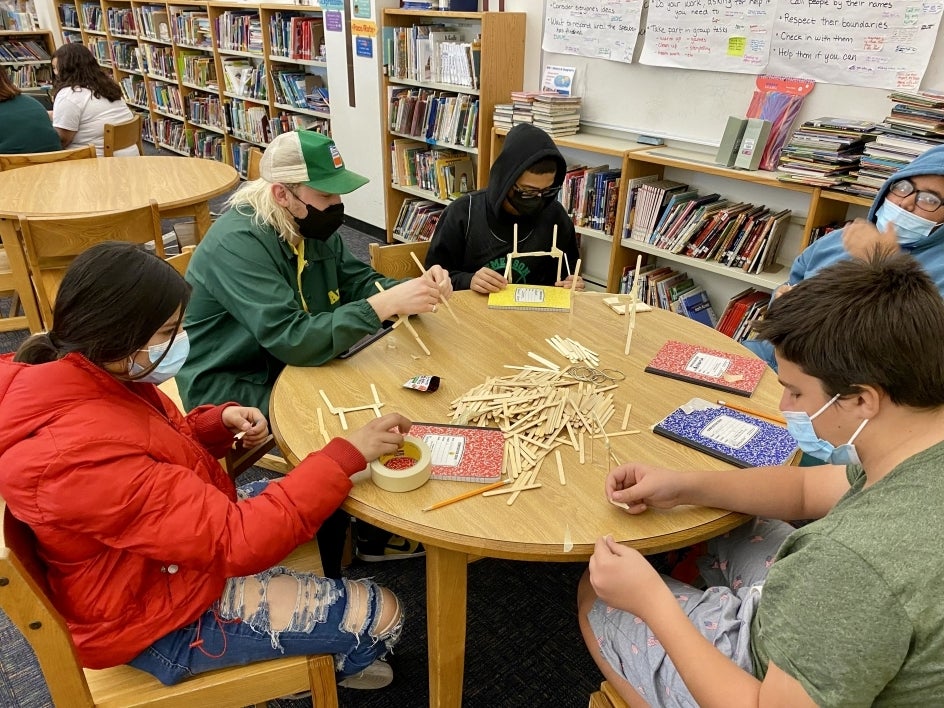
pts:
[273, 283]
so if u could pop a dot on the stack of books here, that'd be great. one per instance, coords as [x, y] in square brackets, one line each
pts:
[915, 125]
[670, 216]
[556, 113]
[522, 103]
[668, 289]
[589, 194]
[502, 115]
[417, 219]
[823, 152]
[741, 312]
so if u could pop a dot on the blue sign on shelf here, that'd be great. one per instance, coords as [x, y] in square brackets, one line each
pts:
[364, 46]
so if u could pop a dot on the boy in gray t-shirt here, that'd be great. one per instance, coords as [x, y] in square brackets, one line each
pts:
[844, 611]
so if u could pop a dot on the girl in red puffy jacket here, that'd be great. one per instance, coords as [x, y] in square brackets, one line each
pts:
[150, 556]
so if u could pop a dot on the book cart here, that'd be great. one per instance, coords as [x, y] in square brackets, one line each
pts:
[415, 182]
[212, 79]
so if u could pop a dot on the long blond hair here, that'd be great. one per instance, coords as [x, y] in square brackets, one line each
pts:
[257, 194]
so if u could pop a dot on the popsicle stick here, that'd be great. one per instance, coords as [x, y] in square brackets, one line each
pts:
[423, 271]
[560, 467]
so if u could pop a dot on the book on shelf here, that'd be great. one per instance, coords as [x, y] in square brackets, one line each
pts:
[546, 298]
[726, 434]
[632, 191]
[462, 453]
[652, 199]
[734, 373]
[742, 309]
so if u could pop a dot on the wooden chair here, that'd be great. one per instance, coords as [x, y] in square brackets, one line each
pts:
[182, 259]
[51, 243]
[252, 169]
[122, 135]
[15, 283]
[606, 697]
[12, 162]
[394, 261]
[237, 459]
[24, 598]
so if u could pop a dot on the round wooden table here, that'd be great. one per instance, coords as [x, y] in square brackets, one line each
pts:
[182, 186]
[543, 523]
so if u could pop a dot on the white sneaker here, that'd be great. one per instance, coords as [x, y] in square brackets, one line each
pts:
[377, 675]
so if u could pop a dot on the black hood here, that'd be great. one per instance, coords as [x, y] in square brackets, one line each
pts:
[524, 145]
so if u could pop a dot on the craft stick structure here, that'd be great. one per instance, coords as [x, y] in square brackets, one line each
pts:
[633, 298]
[341, 412]
[573, 290]
[419, 264]
[555, 252]
[405, 320]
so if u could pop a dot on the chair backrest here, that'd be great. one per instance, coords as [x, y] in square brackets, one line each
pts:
[182, 259]
[394, 261]
[52, 243]
[122, 135]
[12, 162]
[252, 169]
[24, 599]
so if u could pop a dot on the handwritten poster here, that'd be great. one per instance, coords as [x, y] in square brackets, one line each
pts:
[593, 28]
[715, 35]
[872, 43]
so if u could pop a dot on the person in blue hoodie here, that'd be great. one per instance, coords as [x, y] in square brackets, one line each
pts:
[907, 215]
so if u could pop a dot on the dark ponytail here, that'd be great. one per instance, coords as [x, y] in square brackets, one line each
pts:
[112, 300]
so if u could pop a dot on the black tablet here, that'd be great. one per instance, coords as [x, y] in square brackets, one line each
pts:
[385, 328]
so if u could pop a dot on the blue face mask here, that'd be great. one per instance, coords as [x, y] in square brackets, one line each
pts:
[909, 227]
[170, 365]
[800, 426]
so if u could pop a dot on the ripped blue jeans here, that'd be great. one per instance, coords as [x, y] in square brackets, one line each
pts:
[338, 617]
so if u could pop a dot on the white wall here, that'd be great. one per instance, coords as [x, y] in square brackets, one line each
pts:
[358, 130]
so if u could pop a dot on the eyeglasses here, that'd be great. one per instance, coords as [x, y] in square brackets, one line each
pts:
[536, 193]
[929, 201]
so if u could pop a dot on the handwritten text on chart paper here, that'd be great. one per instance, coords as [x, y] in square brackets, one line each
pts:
[873, 43]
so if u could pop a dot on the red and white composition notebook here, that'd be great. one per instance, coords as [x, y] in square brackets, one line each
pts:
[463, 453]
[709, 367]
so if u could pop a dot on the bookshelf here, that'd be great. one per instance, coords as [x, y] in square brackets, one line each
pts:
[812, 207]
[27, 56]
[212, 79]
[500, 71]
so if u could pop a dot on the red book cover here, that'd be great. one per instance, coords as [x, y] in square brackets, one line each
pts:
[733, 373]
[463, 453]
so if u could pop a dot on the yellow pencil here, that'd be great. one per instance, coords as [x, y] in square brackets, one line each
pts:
[756, 414]
[467, 495]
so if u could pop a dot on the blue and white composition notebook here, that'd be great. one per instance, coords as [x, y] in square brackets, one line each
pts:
[727, 434]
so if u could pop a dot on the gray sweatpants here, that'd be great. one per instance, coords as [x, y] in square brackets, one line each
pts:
[734, 569]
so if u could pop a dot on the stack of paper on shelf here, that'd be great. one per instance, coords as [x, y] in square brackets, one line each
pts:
[824, 151]
[915, 125]
[556, 113]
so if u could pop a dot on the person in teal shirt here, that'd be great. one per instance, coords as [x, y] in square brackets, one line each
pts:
[274, 284]
[24, 123]
[845, 610]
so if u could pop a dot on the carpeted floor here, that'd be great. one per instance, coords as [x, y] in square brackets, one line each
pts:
[523, 646]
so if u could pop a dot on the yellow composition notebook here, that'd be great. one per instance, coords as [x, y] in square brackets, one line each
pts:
[531, 297]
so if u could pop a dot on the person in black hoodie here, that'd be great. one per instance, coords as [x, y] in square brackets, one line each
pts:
[475, 233]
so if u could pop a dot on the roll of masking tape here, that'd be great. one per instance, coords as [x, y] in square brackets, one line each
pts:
[404, 470]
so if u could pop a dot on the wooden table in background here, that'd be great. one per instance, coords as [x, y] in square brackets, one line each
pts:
[464, 355]
[182, 186]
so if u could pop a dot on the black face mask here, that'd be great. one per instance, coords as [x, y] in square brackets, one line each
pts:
[320, 224]
[526, 206]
